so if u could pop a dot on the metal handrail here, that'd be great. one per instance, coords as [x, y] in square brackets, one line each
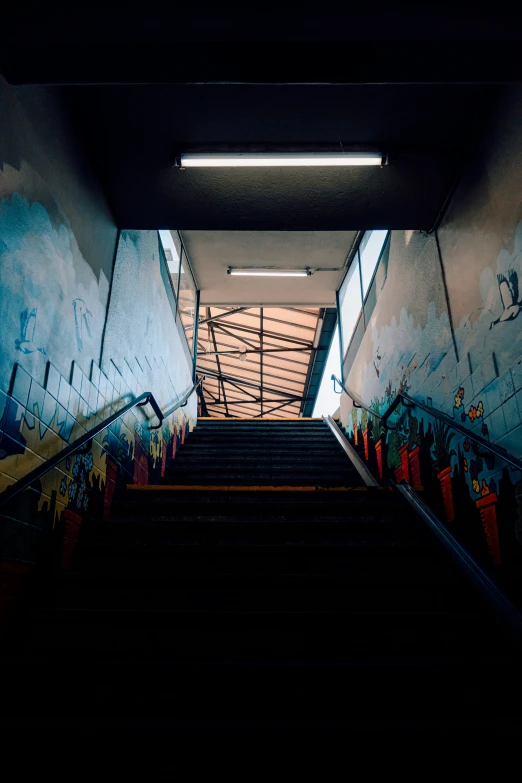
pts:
[180, 403]
[52, 462]
[403, 398]
[489, 589]
[356, 400]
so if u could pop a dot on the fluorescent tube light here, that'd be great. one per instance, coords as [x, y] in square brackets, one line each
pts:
[215, 159]
[269, 272]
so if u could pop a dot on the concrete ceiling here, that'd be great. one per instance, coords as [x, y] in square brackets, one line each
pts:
[132, 133]
[379, 42]
[419, 82]
[212, 252]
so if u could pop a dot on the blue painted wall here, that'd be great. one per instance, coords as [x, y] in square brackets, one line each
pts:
[58, 375]
[447, 327]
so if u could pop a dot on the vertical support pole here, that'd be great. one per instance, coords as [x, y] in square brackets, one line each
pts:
[261, 357]
[340, 328]
[446, 296]
[218, 363]
[179, 280]
[362, 292]
[195, 333]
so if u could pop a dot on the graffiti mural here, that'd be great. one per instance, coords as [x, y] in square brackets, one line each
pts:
[508, 287]
[54, 307]
[25, 343]
[42, 275]
[477, 493]
[58, 241]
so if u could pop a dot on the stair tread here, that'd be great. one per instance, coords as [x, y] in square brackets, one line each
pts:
[223, 598]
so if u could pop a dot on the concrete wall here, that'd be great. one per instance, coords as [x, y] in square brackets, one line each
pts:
[141, 330]
[63, 366]
[446, 328]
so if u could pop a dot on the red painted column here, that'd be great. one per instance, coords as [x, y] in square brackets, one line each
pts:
[488, 515]
[378, 451]
[447, 493]
[70, 538]
[110, 486]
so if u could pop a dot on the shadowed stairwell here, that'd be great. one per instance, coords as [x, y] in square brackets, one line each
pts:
[264, 591]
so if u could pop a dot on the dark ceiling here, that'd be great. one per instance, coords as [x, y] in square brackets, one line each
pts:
[133, 131]
[418, 83]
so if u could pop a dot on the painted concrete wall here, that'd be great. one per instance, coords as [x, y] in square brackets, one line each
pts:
[63, 366]
[446, 328]
[141, 330]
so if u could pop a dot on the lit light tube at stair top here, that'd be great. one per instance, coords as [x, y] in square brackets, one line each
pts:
[264, 272]
[236, 159]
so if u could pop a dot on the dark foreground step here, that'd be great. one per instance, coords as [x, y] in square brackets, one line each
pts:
[192, 529]
[288, 463]
[292, 593]
[260, 695]
[303, 503]
[260, 636]
[370, 565]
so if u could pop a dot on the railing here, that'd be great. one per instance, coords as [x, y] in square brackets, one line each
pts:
[147, 398]
[356, 400]
[487, 586]
[179, 404]
[402, 398]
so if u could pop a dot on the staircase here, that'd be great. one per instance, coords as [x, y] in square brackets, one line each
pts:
[264, 591]
[256, 452]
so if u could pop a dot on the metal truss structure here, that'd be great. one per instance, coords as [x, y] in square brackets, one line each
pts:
[257, 361]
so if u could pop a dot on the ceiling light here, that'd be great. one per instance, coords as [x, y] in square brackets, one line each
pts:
[267, 272]
[234, 159]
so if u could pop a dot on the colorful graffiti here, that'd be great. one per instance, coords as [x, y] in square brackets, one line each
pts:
[54, 310]
[38, 421]
[476, 492]
[43, 277]
[58, 376]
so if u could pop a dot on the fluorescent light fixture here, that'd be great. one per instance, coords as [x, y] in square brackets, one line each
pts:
[234, 159]
[266, 272]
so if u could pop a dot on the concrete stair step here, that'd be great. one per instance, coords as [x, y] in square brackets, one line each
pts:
[250, 636]
[260, 457]
[289, 594]
[171, 699]
[251, 475]
[301, 503]
[362, 565]
[371, 530]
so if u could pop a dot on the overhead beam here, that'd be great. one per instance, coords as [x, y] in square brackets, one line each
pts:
[280, 320]
[251, 384]
[222, 315]
[258, 350]
[275, 335]
[277, 408]
[221, 328]
[299, 376]
[236, 386]
[257, 401]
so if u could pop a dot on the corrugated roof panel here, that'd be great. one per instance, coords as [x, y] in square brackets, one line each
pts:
[256, 361]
